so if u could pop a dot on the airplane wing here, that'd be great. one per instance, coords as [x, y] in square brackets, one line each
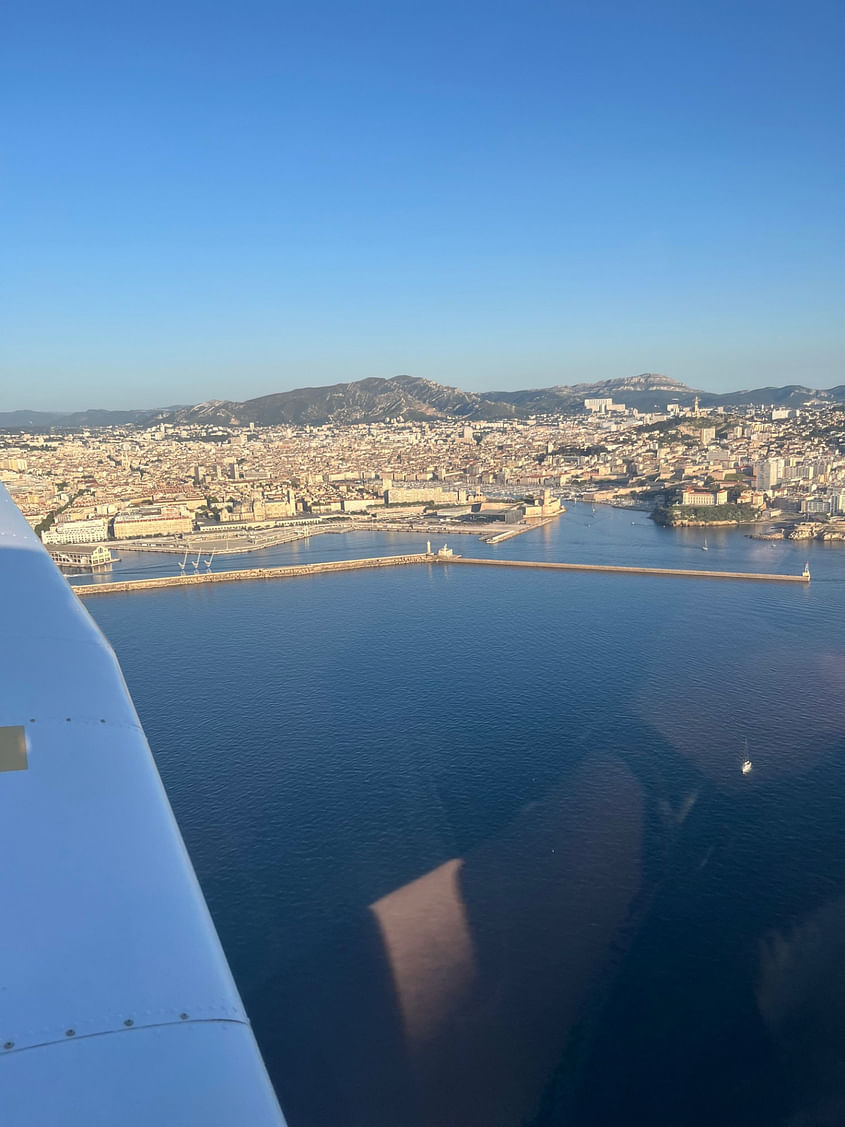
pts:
[117, 1005]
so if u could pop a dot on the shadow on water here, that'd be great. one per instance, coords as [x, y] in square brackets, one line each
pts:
[637, 945]
[730, 1008]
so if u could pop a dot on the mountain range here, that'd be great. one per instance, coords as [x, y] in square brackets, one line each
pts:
[412, 398]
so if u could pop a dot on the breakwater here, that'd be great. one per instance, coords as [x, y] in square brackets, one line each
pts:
[406, 560]
[692, 574]
[248, 573]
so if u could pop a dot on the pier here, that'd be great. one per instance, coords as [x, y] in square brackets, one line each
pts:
[518, 530]
[442, 558]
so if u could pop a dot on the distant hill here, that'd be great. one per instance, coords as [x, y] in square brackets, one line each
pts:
[793, 395]
[645, 392]
[43, 420]
[374, 400]
[412, 398]
[370, 400]
[12, 420]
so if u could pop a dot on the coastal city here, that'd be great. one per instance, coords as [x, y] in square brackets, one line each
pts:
[176, 487]
[422, 557]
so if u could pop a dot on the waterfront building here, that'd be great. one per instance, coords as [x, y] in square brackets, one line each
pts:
[359, 504]
[419, 496]
[816, 506]
[487, 511]
[268, 507]
[704, 497]
[543, 506]
[77, 532]
[154, 521]
[83, 555]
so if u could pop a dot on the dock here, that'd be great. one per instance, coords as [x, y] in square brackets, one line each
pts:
[518, 530]
[443, 558]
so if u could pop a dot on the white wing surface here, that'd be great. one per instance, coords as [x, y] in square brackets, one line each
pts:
[117, 1005]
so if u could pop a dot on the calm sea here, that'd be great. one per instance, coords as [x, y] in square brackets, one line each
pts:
[479, 844]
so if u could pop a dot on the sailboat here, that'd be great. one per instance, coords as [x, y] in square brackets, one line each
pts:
[704, 545]
[747, 765]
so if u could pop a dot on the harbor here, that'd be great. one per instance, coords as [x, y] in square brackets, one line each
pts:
[444, 556]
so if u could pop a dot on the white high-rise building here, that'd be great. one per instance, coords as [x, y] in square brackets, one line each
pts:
[769, 473]
[601, 406]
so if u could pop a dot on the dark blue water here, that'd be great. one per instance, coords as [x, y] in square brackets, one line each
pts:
[479, 845]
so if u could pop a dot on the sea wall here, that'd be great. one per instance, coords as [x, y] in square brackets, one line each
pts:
[399, 561]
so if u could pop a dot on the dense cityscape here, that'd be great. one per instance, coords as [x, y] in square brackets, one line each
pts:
[250, 486]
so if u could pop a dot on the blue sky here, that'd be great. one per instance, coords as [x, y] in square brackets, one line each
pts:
[206, 200]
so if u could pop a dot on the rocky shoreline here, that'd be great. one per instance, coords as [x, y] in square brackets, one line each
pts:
[804, 530]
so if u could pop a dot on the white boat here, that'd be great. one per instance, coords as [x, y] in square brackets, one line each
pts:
[704, 545]
[747, 765]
